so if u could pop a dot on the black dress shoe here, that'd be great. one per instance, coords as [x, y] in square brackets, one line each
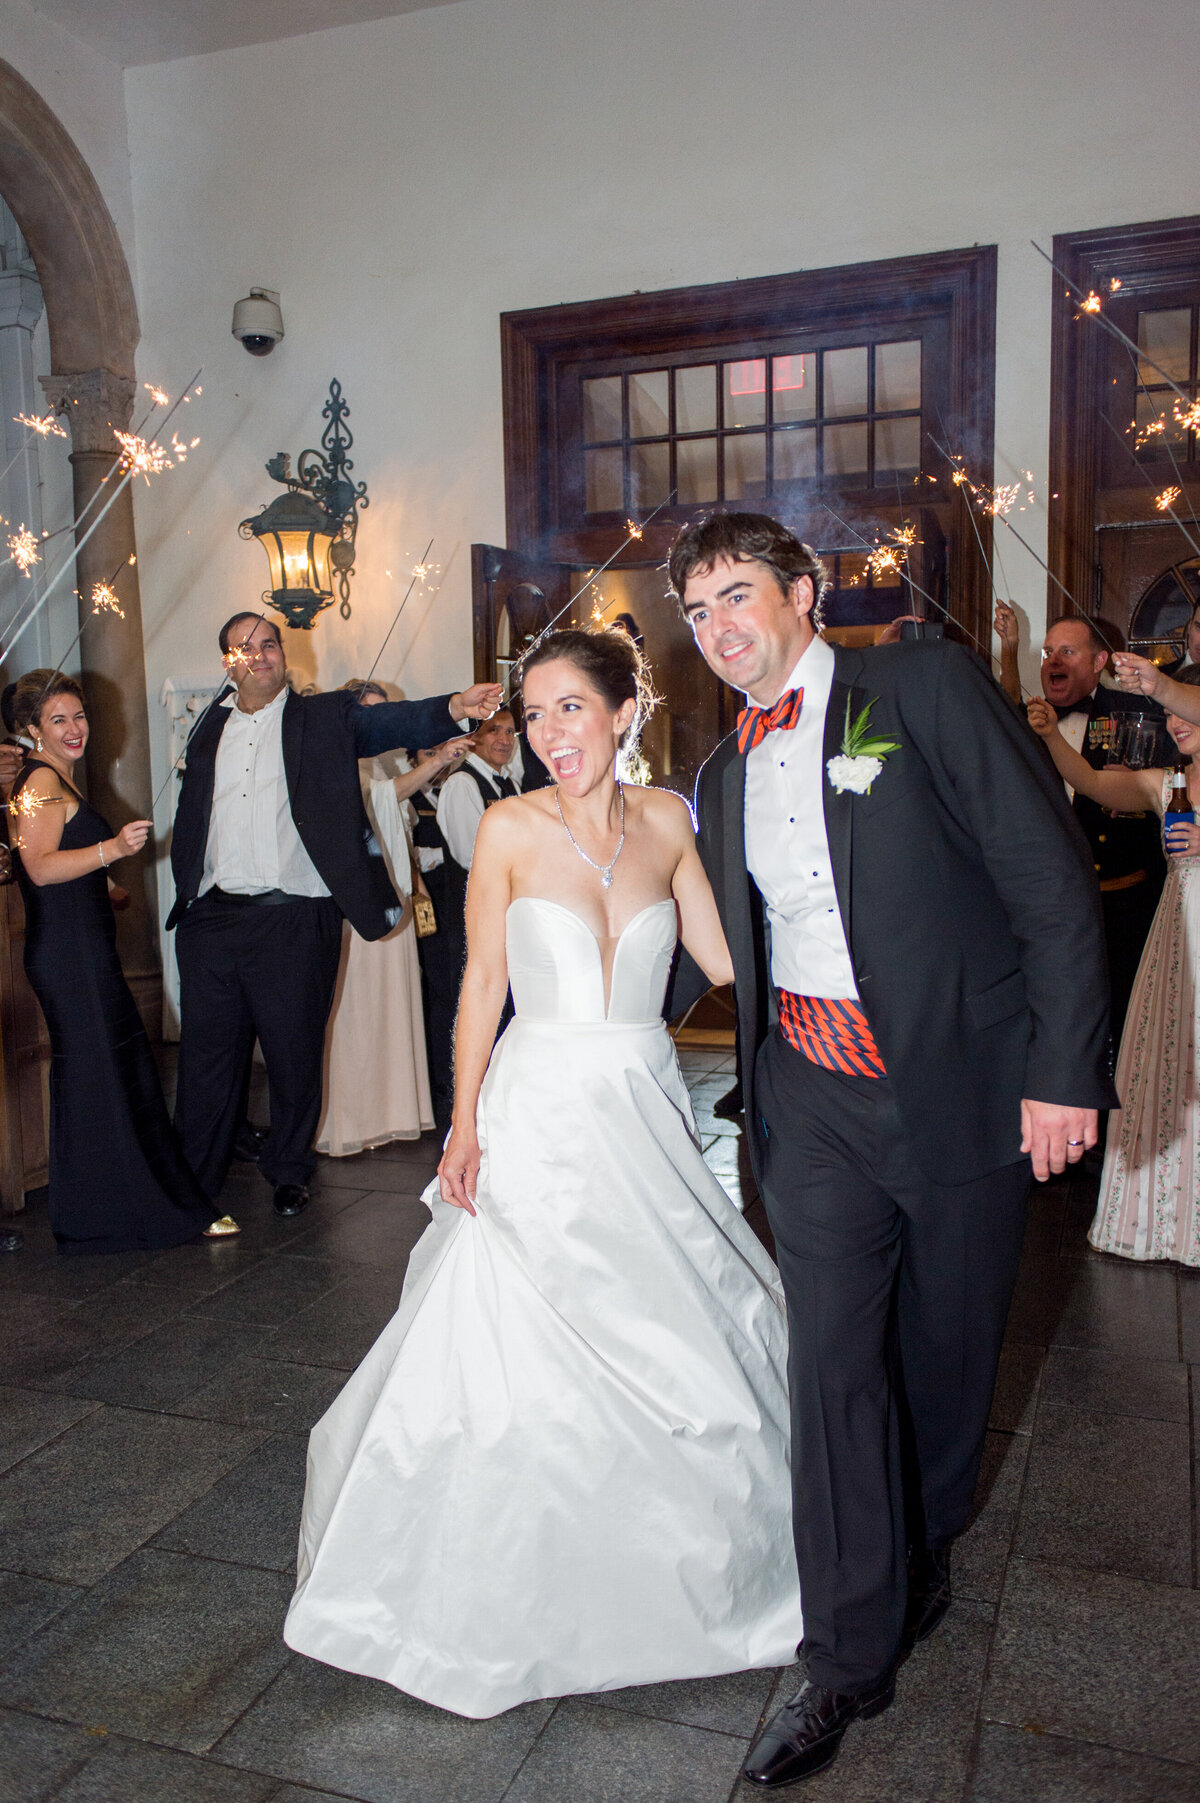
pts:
[291, 1198]
[247, 1147]
[729, 1106]
[805, 1735]
[929, 1594]
[11, 1239]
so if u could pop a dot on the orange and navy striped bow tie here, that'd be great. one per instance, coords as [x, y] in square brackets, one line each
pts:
[754, 723]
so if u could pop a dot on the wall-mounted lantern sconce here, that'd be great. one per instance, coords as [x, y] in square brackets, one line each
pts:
[308, 533]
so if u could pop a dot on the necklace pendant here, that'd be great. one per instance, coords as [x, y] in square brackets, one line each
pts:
[606, 879]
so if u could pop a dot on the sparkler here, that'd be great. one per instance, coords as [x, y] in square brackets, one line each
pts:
[1091, 304]
[45, 425]
[25, 805]
[1165, 502]
[1111, 327]
[420, 570]
[634, 532]
[1161, 501]
[23, 547]
[126, 478]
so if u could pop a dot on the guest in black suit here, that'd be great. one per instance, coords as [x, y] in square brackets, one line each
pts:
[900, 928]
[271, 849]
[1126, 848]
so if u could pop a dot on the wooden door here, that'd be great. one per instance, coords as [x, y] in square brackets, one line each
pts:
[24, 1065]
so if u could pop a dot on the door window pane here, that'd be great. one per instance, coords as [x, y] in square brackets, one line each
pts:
[898, 376]
[601, 409]
[845, 452]
[696, 470]
[649, 475]
[602, 476]
[1166, 335]
[696, 399]
[794, 387]
[746, 466]
[845, 381]
[648, 404]
[795, 455]
[746, 393]
[897, 448]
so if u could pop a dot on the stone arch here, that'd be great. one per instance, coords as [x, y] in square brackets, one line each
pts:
[93, 324]
[90, 306]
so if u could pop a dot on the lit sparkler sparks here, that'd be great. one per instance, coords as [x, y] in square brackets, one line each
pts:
[45, 425]
[1115, 285]
[140, 456]
[23, 548]
[1091, 304]
[888, 559]
[633, 529]
[104, 600]
[1167, 499]
[157, 395]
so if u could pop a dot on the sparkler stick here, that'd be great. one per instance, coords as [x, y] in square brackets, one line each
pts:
[418, 571]
[1094, 312]
[57, 578]
[1167, 505]
[37, 428]
[847, 527]
[635, 532]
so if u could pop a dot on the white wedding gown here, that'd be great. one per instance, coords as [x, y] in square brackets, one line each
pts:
[563, 1466]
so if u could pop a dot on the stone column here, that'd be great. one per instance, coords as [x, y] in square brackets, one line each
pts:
[20, 488]
[113, 661]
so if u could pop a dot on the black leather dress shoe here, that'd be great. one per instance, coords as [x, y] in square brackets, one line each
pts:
[729, 1106]
[291, 1198]
[929, 1594]
[805, 1735]
[247, 1147]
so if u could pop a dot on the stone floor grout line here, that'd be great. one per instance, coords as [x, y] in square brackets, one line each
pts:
[528, 1753]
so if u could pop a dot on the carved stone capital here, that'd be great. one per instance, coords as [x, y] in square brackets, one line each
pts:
[95, 403]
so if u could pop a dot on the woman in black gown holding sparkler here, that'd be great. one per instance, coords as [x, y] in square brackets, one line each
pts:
[118, 1179]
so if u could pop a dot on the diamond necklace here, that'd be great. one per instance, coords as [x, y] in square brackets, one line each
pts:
[606, 870]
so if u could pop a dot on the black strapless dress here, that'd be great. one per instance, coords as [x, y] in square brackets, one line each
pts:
[118, 1178]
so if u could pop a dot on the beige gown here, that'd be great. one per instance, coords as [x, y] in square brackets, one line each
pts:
[376, 1073]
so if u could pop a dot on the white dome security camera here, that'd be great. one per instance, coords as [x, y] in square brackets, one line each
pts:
[257, 321]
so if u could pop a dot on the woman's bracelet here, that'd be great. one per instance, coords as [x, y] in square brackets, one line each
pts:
[100, 849]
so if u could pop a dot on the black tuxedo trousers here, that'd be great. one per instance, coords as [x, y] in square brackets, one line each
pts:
[897, 1290]
[247, 971]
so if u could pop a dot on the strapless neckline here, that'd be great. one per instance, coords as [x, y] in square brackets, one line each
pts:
[557, 985]
[543, 901]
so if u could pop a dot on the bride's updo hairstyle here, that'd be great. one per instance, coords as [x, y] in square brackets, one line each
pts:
[29, 694]
[610, 661]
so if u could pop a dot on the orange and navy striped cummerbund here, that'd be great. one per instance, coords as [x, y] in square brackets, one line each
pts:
[834, 1034]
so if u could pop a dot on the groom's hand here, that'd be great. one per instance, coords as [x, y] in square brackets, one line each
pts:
[1055, 1136]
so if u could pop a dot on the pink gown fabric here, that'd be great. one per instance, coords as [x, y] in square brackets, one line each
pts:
[1148, 1206]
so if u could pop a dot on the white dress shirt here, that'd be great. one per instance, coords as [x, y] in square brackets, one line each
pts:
[787, 850]
[460, 808]
[252, 843]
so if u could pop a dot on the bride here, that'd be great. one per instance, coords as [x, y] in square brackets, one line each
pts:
[563, 1466]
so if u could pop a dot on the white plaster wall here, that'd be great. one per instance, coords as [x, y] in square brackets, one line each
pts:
[87, 94]
[403, 183]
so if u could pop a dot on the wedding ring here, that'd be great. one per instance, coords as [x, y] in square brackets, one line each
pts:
[1074, 1142]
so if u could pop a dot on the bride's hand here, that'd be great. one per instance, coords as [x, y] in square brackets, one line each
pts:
[458, 1173]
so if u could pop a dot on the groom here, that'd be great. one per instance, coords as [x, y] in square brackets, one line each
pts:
[916, 937]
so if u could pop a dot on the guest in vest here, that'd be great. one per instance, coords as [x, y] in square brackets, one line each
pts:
[443, 952]
[483, 779]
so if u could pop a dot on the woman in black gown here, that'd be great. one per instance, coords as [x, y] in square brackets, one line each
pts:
[118, 1179]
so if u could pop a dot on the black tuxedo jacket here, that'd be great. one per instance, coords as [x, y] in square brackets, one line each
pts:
[323, 738]
[969, 902]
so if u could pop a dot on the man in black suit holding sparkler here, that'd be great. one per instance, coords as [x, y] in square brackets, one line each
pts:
[271, 849]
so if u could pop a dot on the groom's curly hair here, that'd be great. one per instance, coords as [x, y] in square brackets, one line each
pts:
[745, 538]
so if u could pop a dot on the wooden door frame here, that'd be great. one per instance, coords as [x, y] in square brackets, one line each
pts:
[536, 342]
[1147, 258]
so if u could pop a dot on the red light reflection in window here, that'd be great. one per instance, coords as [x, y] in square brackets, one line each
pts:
[748, 378]
[787, 372]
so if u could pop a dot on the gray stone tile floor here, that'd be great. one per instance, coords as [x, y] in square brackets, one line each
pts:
[153, 1413]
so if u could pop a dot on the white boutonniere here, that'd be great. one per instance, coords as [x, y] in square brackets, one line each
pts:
[862, 757]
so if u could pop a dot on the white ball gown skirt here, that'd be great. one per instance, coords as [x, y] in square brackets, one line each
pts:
[563, 1467]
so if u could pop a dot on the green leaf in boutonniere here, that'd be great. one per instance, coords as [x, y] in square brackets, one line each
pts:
[862, 756]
